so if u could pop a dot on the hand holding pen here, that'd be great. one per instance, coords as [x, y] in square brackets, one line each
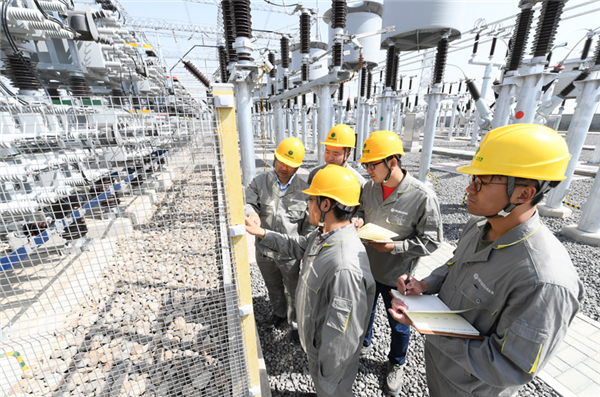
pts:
[408, 285]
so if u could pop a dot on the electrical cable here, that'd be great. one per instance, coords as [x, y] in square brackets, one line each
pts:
[281, 5]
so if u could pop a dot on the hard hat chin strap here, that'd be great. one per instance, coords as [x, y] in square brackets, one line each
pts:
[510, 188]
[389, 174]
[337, 204]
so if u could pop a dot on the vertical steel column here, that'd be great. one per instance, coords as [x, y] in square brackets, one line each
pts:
[387, 110]
[433, 101]
[578, 129]
[315, 126]
[295, 121]
[324, 117]
[452, 118]
[304, 126]
[278, 125]
[503, 103]
[243, 104]
[367, 121]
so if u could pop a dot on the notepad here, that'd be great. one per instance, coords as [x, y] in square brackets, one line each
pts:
[376, 234]
[431, 316]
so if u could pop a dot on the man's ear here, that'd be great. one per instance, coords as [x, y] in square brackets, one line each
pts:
[524, 194]
[325, 205]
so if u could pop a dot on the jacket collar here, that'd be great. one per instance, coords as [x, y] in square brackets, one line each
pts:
[511, 238]
[294, 182]
[402, 188]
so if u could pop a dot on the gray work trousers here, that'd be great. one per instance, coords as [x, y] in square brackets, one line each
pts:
[344, 388]
[281, 279]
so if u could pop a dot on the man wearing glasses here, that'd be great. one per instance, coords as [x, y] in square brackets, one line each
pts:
[336, 293]
[274, 200]
[338, 145]
[509, 271]
[398, 202]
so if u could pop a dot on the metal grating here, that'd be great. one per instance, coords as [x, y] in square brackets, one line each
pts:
[117, 278]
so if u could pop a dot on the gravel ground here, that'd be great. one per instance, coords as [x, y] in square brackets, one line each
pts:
[286, 363]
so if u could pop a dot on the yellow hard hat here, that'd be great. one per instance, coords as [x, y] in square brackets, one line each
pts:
[340, 136]
[528, 151]
[380, 145]
[338, 183]
[290, 152]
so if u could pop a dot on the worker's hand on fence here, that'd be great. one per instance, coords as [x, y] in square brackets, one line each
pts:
[413, 287]
[358, 222]
[255, 218]
[254, 229]
[397, 311]
[382, 247]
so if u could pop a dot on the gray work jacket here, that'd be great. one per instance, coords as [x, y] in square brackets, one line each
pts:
[523, 291]
[334, 298]
[282, 212]
[361, 179]
[412, 211]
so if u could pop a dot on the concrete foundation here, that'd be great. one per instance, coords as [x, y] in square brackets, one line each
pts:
[580, 236]
[562, 212]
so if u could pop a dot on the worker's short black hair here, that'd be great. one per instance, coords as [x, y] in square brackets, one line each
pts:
[531, 182]
[397, 157]
[340, 214]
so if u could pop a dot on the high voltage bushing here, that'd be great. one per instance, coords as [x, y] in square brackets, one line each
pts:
[547, 27]
[440, 61]
[223, 64]
[337, 54]
[369, 85]
[341, 92]
[570, 87]
[389, 65]
[190, 67]
[476, 44]
[338, 14]
[19, 74]
[285, 82]
[271, 58]
[305, 72]
[242, 18]
[586, 48]
[304, 33]
[520, 37]
[78, 86]
[285, 52]
[493, 49]
[475, 95]
[229, 30]
[395, 71]
[597, 54]
[363, 83]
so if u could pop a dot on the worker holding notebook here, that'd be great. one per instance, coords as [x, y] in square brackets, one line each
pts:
[338, 146]
[336, 291]
[403, 205]
[509, 272]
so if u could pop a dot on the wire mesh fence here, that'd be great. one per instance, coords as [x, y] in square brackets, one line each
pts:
[117, 277]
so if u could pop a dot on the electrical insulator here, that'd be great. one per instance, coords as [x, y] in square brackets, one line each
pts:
[338, 14]
[272, 89]
[493, 49]
[348, 105]
[303, 100]
[406, 105]
[369, 84]
[285, 82]
[389, 65]
[296, 100]
[78, 86]
[395, 71]
[305, 69]
[586, 48]
[242, 18]
[597, 54]
[314, 98]
[570, 87]
[271, 58]
[547, 27]
[363, 82]
[401, 80]
[337, 54]
[476, 44]
[475, 95]
[285, 52]
[229, 29]
[223, 64]
[304, 33]
[190, 67]
[459, 86]
[440, 61]
[410, 84]
[519, 40]
[19, 70]
[341, 92]
[416, 101]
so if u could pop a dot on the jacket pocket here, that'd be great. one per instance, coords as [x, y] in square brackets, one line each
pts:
[399, 219]
[523, 345]
[339, 313]
[486, 307]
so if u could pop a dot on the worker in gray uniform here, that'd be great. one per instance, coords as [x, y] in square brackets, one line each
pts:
[338, 146]
[393, 199]
[274, 200]
[336, 293]
[509, 271]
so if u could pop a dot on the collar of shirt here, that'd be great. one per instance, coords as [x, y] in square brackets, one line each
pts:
[324, 236]
[282, 186]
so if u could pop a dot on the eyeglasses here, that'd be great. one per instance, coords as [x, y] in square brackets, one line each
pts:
[371, 166]
[479, 183]
[309, 199]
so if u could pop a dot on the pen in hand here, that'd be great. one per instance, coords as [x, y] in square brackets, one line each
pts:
[406, 283]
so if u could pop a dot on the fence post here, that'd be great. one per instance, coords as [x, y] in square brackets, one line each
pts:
[225, 112]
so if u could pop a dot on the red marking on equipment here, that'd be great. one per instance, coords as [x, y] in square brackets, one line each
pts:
[519, 115]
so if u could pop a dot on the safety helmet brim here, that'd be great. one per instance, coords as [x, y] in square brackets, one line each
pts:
[287, 161]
